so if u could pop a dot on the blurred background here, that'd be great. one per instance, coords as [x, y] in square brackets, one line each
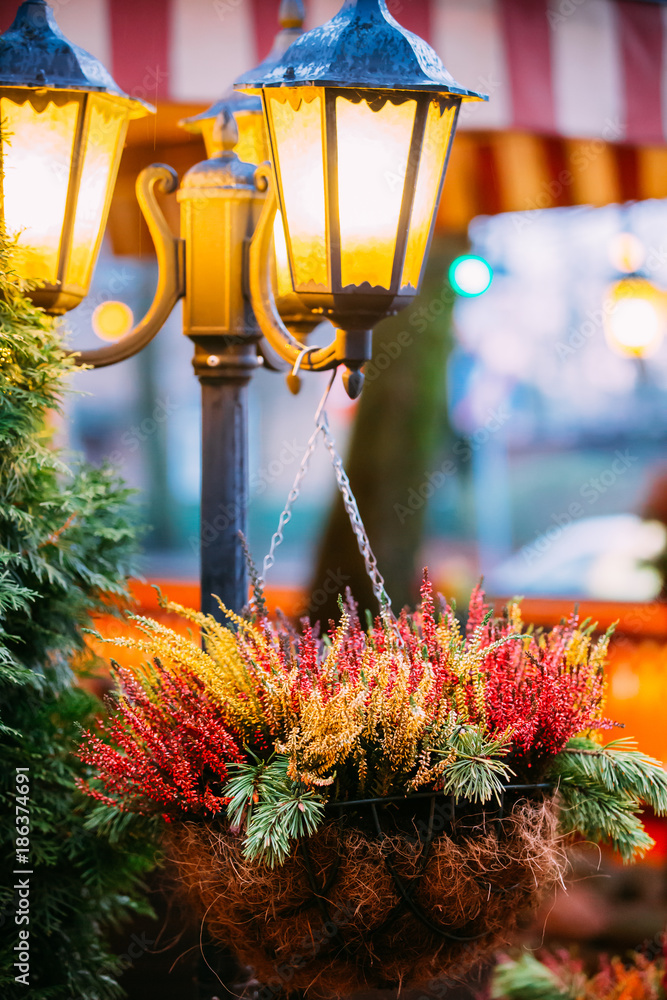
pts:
[514, 422]
[527, 401]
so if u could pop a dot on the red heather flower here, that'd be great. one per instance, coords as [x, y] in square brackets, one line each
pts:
[535, 691]
[477, 610]
[165, 749]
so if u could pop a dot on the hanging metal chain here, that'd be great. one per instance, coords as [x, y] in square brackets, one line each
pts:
[295, 492]
[349, 501]
[352, 510]
[292, 496]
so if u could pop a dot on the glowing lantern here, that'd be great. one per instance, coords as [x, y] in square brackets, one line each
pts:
[64, 122]
[361, 115]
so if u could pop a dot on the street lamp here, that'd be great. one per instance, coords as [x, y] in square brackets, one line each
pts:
[635, 311]
[64, 122]
[253, 144]
[360, 116]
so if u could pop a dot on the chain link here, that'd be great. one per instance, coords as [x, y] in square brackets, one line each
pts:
[349, 501]
[292, 496]
[295, 492]
[352, 510]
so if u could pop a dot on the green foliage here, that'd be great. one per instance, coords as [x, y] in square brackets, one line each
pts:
[66, 540]
[274, 809]
[602, 790]
[65, 537]
[87, 870]
[527, 979]
[562, 975]
[618, 767]
[476, 772]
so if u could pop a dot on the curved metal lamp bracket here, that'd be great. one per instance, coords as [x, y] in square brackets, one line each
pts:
[280, 340]
[170, 251]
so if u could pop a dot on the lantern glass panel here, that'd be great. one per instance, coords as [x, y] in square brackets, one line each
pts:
[37, 151]
[103, 145]
[283, 276]
[296, 124]
[373, 151]
[437, 141]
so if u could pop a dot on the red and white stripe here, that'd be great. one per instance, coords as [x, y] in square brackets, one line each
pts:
[573, 68]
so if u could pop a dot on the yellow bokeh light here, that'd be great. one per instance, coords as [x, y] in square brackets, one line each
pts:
[112, 320]
[626, 252]
[635, 317]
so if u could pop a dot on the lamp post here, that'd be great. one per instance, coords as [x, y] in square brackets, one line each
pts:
[253, 147]
[359, 115]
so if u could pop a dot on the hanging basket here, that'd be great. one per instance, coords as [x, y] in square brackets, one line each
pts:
[257, 748]
[387, 893]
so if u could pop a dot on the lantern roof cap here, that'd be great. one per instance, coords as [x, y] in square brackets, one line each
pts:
[34, 53]
[233, 101]
[225, 170]
[361, 47]
[291, 18]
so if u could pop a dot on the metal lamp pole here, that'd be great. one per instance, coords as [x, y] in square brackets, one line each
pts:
[220, 204]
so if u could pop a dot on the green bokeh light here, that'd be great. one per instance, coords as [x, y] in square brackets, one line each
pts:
[470, 275]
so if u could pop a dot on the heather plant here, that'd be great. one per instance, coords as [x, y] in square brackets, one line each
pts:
[562, 976]
[265, 725]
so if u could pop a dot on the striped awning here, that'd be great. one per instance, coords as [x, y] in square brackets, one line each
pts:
[576, 68]
[578, 88]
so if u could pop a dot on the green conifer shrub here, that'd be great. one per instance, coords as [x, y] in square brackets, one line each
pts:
[66, 542]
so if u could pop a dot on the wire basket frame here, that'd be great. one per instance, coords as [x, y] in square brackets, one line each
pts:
[405, 892]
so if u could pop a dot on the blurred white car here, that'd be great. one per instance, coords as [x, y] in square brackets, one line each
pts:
[596, 557]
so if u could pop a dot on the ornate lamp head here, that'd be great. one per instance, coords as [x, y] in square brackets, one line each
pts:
[361, 116]
[64, 122]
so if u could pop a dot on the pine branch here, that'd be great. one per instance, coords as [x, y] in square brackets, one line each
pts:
[276, 824]
[604, 817]
[618, 767]
[274, 809]
[602, 790]
[527, 979]
[476, 773]
[241, 790]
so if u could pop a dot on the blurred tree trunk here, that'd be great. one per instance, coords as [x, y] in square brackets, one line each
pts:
[400, 429]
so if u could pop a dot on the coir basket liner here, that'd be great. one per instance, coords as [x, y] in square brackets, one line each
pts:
[380, 896]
